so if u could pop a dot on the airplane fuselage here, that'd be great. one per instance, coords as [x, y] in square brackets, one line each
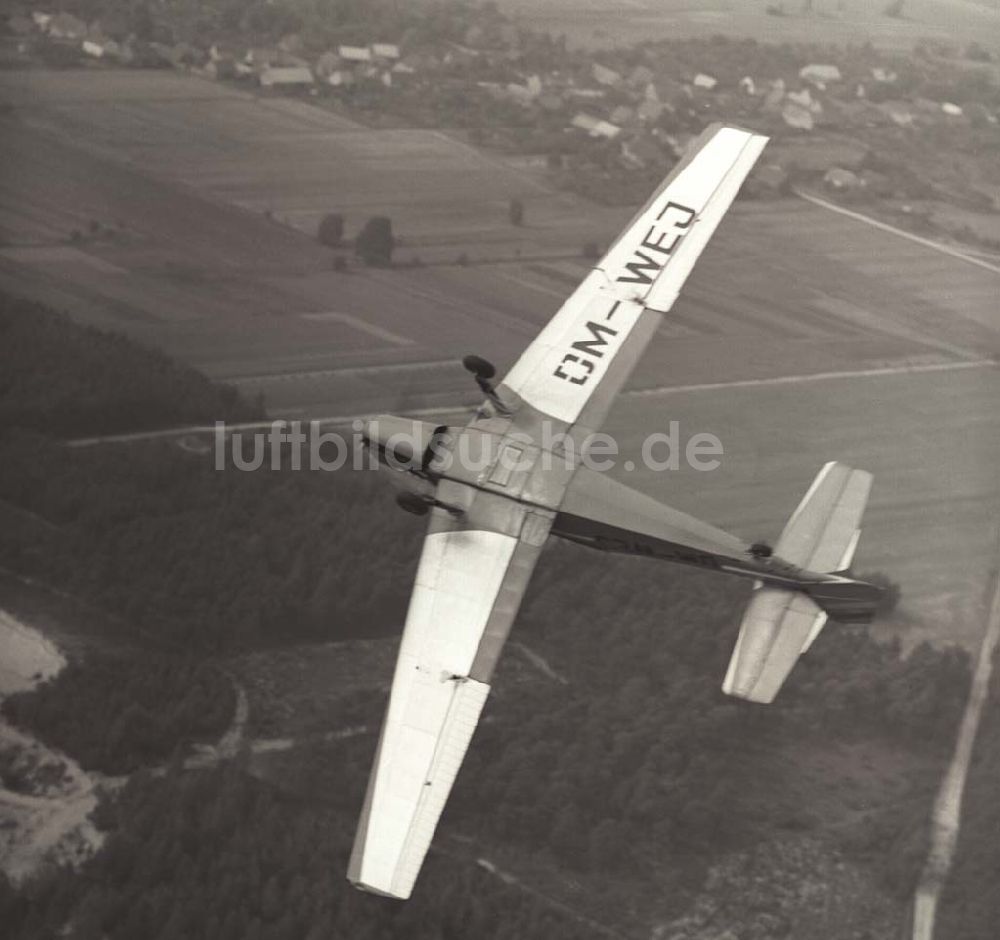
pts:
[592, 509]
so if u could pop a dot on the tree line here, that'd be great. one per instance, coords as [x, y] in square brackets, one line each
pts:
[61, 378]
[119, 711]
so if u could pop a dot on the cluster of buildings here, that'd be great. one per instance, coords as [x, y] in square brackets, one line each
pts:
[285, 64]
[70, 31]
[642, 113]
[649, 114]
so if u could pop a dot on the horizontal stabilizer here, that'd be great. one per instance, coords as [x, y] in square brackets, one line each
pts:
[780, 624]
[823, 531]
[778, 627]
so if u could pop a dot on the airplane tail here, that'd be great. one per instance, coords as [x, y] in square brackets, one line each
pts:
[846, 600]
[780, 624]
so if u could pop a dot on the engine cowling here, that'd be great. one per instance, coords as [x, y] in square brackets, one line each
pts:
[404, 444]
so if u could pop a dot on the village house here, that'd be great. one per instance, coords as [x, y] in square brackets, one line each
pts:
[286, 76]
[820, 75]
[100, 47]
[605, 76]
[355, 54]
[595, 127]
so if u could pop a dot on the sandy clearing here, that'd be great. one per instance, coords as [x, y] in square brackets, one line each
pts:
[26, 656]
[53, 824]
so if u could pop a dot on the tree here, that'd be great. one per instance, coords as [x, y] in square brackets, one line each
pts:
[515, 212]
[331, 229]
[375, 243]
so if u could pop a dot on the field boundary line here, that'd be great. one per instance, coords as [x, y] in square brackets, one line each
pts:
[902, 233]
[438, 411]
[334, 372]
[812, 377]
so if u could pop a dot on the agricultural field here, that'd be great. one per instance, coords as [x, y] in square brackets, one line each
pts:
[591, 24]
[183, 214]
[176, 173]
[295, 162]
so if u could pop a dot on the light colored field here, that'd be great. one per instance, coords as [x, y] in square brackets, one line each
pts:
[597, 23]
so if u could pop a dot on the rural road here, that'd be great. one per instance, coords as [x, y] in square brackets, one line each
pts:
[947, 814]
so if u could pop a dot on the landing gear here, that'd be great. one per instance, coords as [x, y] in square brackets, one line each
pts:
[483, 371]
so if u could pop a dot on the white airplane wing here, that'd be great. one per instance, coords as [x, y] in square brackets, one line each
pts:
[473, 572]
[582, 358]
[469, 585]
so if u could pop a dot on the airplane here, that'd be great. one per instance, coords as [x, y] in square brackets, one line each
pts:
[490, 518]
